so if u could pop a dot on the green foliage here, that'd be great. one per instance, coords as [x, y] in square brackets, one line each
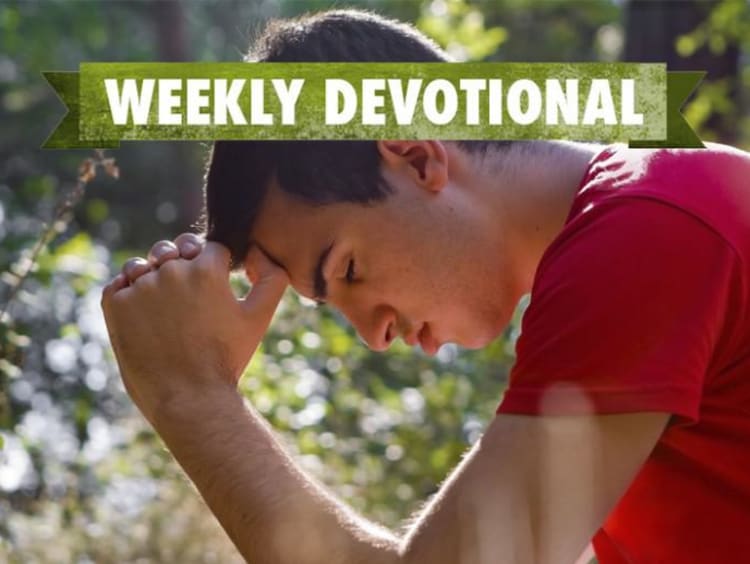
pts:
[728, 24]
[555, 30]
[460, 29]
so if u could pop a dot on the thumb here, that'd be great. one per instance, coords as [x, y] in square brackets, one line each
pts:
[269, 282]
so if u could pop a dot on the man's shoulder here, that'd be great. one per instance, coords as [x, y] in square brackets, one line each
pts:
[710, 184]
[673, 174]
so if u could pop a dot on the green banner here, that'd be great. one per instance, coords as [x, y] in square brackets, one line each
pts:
[605, 102]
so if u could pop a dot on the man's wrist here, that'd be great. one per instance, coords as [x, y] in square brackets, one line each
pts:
[189, 406]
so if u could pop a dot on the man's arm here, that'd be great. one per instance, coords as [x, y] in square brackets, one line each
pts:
[534, 489]
[270, 509]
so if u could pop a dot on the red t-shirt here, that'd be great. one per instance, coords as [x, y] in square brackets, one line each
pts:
[641, 304]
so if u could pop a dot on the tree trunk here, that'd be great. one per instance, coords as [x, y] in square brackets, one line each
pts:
[652, 30]
[169, 25]
[172, 46]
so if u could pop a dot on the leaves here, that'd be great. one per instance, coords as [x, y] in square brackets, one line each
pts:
[460, 29]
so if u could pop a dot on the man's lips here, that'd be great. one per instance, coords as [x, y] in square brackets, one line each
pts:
[412, 338]
[428, 343]
[424, 338]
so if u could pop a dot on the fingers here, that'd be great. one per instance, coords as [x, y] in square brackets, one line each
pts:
[186, 246]
[269, 280]
[118, 283]
[134, 268]
[161, 252]
[189, 245]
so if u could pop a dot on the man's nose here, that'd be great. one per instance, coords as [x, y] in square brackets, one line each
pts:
[377, 328]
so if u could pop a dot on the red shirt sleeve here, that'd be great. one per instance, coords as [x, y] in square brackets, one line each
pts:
[627, 309]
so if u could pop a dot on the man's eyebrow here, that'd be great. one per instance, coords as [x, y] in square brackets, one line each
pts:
[320, 286]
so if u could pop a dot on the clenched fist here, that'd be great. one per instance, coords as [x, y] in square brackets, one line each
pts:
[177, 330]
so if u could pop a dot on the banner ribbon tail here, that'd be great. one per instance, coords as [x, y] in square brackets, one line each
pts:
[680, 84]
[67, 134]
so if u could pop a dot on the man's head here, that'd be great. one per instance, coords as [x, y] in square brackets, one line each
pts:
[391, 231]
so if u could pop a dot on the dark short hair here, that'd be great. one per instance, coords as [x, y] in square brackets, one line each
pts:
[318, 172]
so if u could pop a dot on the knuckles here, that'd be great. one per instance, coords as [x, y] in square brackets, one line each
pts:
[146, 282]
[203, 270]
[170, 269]
[151, 286]
[162, 253]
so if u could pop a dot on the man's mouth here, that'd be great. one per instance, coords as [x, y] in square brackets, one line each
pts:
[428, 343]
[424, 338]
[411, 338]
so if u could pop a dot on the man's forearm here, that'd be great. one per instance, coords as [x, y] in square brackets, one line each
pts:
[530, 491]
[271, 510]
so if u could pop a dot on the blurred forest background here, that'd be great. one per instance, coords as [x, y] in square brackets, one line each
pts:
[82, 477]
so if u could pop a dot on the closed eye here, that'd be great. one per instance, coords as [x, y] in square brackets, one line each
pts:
[350, 272]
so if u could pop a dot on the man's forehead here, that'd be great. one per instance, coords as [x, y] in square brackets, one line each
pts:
[293, 236]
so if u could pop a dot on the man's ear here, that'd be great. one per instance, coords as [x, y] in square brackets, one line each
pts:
[426, 162]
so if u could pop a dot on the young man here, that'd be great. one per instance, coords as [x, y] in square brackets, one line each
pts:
[627, 417]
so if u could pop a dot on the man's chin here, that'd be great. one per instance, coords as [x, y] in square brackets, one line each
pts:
[480, 335]
[476, 342]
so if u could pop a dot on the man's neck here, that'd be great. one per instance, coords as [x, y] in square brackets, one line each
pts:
[536, 197]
